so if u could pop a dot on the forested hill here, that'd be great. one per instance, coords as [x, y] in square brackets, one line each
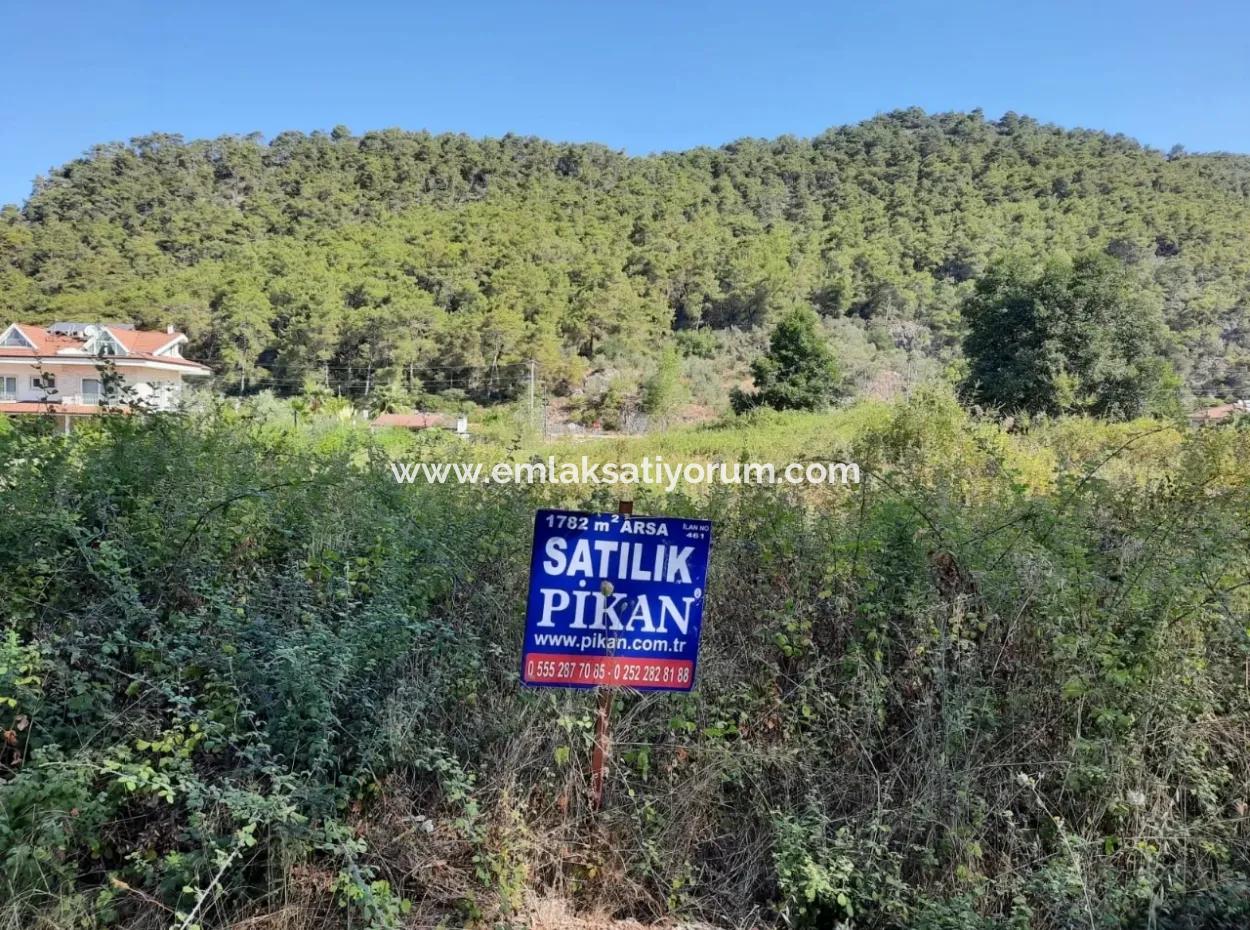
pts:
[363, 258]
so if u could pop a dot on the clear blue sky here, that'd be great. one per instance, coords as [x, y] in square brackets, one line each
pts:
[638, 75]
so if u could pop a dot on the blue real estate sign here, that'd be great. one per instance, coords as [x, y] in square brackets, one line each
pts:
[615, 601]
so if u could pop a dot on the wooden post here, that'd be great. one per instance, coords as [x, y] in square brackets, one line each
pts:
[603, 720]
[531, 393]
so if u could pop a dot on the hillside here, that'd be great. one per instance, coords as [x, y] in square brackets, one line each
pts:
[444, 262]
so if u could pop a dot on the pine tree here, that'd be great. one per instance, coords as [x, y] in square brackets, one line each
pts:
[664, 391]
[797, 373]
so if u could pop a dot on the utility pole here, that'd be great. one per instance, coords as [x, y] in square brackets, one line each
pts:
[531, 393]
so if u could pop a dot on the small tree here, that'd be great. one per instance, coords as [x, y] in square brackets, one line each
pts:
[389, 398]
[46, 384]
[798, 372]
[115, 393]
[665, 390]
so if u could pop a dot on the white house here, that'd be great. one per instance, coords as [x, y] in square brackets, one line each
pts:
[60, 370]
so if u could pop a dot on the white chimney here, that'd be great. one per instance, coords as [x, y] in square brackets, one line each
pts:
[169, 330]
[462, 426]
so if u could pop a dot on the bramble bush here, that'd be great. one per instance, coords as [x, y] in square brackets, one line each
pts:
[999, 684]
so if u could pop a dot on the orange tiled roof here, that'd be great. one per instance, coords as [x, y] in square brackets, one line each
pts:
[45, 342]
[138, 343]
[413, 420]
[141, 340]
[1219, 412]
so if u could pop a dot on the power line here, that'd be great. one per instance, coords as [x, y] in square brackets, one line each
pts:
[404, 366]
[507, 366]
[441, 373]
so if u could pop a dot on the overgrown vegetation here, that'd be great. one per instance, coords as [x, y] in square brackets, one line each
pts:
[417, 264]
[1000, 684]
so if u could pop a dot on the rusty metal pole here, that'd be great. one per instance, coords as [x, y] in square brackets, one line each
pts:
[603, 719]
[599, 761]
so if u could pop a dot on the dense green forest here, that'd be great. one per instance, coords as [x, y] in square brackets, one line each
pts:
[432, 263]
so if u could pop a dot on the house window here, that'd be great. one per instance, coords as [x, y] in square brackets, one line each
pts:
[8, 388]
[90, 390]
[44, 382]
[105, 344]
[16, 340]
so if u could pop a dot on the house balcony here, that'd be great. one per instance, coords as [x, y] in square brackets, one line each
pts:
[86, 403]
[90, 399]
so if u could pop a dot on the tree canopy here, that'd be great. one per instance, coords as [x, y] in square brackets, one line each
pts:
[797, 372]
[441, 262]
[1075, 336]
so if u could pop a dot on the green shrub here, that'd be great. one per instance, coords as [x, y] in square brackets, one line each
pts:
[998, 684]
